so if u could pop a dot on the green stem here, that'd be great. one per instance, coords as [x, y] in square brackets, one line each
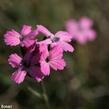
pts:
[34, 92]
[45, 97]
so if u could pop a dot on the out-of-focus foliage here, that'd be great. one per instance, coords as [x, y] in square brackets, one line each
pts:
[84, 84]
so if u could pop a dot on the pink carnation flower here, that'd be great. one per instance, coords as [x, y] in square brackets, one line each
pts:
[53, 59]
[39, 57]
[24, 66]
[24, 38]
[81, 31]
[61, 38]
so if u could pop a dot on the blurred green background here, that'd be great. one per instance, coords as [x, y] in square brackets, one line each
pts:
[84, 84]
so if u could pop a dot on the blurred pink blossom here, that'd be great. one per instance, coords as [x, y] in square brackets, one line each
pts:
[81, 30]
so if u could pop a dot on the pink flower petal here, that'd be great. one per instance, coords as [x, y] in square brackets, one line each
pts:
[81, 37]
[85, 23]
[18, 76]
[64, 36]
[91, 35]
[27, 42]
[67, 47]
[43, 48]
[47, 41]
[14, 60]
[85, 36]
[45, 68]
[33, 34]
[58, 64]
[71, 27]
[56, 53]
[26, 30]
[12, 38]
[43, 30]
[55, 58]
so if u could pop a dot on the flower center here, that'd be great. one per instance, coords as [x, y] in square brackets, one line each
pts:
[21, 38]
[25, 64]
[55, 39]
[47, 59]
[80, 28]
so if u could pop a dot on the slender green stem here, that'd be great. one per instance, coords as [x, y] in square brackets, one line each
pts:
[41, 96]
[45, 97]
[34, 92]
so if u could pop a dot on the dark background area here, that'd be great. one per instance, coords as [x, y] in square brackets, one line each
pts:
[84, 84]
